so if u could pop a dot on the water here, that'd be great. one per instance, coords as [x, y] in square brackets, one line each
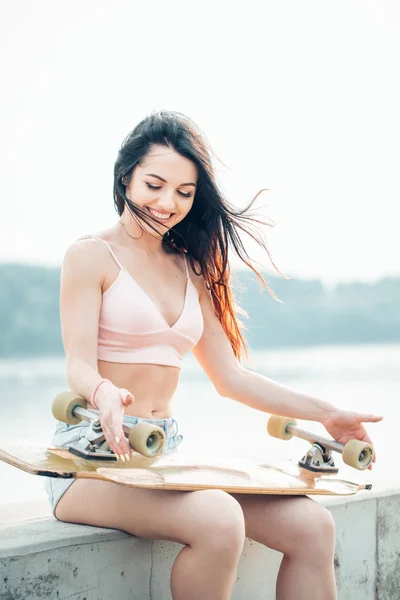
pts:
[359, 378]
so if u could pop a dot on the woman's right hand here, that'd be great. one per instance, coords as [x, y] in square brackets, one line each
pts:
[111, 402]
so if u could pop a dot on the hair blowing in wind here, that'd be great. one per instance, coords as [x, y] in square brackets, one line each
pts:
[211, 227]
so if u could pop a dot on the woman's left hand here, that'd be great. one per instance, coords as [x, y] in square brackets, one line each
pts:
[344, 425]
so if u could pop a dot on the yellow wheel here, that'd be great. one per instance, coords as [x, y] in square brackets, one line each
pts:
[277, 427]
[63, 407]
[358, 454]
[147, 439]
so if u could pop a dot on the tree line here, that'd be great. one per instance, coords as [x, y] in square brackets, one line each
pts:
[307, 314]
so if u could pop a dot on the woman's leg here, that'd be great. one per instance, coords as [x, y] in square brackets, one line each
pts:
[209, 523]
[304, 531]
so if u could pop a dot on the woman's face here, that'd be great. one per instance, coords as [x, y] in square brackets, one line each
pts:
[164, 184]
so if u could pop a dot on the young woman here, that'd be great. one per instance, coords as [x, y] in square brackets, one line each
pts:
[134, 299]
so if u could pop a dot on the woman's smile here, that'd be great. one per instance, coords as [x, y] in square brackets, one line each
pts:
[161, 216]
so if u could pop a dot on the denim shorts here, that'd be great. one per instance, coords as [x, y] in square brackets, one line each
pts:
[65, 435]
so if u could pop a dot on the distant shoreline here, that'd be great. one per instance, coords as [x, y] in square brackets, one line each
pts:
[58, 358]
[308, 313]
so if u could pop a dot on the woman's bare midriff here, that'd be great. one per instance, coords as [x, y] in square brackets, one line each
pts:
[152, 386]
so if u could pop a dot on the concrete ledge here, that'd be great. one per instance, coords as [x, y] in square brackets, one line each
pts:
[59, 560]
[46, 559]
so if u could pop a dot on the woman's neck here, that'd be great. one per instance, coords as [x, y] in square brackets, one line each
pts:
[137, 237]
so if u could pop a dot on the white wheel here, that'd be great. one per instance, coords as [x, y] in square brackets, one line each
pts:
[64, 405]
[277, 427]
[358, 454]
[147, 439]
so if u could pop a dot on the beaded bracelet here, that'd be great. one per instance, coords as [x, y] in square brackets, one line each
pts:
[93, 396]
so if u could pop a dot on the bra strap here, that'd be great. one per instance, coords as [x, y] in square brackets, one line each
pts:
[186, 265]
[92, 237]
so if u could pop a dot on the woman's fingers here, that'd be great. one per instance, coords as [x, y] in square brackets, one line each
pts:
[126, 396]
[117, 441]
[369, 418]
[122, 447]
[111, 418]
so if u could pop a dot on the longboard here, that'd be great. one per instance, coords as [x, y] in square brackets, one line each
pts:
[181, 471]
[150, 467]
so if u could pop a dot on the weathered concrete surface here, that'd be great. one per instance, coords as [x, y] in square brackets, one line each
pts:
[54, 560]
[59, 561]
[257, 573]
[388, 548]
[355, 555]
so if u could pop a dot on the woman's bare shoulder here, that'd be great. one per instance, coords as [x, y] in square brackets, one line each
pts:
[84, 246]
[86, 254]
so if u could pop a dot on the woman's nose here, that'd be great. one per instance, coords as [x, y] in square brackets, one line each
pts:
[167, 201]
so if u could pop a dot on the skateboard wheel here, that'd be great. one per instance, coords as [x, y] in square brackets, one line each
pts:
[147, 439]
[277, 427]
[63, 407]
[358, 454]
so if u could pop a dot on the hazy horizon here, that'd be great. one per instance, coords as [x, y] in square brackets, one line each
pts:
[300, 98]
[327, 283]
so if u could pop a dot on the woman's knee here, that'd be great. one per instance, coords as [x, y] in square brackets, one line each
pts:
[320, 523]
[315, 530]
[220, 523]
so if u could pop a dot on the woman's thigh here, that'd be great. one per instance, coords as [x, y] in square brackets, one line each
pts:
[288, 524]
[185, 517]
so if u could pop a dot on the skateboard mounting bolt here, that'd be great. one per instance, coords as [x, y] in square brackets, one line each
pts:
[97, 425]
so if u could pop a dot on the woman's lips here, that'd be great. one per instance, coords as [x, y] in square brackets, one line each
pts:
[160, 219]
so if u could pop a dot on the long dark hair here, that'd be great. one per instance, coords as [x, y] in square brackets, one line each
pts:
[211, 226]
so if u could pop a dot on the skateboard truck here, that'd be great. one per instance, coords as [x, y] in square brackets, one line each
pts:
[145, 438]
[93, 445]
[319, 458]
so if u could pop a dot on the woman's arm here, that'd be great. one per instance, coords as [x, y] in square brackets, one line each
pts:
[80, 302]
[215, 355]
[266, 395]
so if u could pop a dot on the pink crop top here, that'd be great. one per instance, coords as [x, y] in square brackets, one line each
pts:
[132, 329]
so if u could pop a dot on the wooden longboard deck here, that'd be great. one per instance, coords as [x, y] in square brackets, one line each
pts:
[180, 471]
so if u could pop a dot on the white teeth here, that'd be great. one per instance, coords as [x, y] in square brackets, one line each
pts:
[159, 215]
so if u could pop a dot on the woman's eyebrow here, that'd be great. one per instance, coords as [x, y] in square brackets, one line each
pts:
[161, 179]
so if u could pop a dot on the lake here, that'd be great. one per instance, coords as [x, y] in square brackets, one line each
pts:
[364, 378]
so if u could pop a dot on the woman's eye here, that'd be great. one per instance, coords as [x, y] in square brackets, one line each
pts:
[157, 187]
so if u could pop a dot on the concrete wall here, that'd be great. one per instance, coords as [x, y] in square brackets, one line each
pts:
[46, 559]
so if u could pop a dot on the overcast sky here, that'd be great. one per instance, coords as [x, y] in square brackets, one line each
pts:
[299, 97]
